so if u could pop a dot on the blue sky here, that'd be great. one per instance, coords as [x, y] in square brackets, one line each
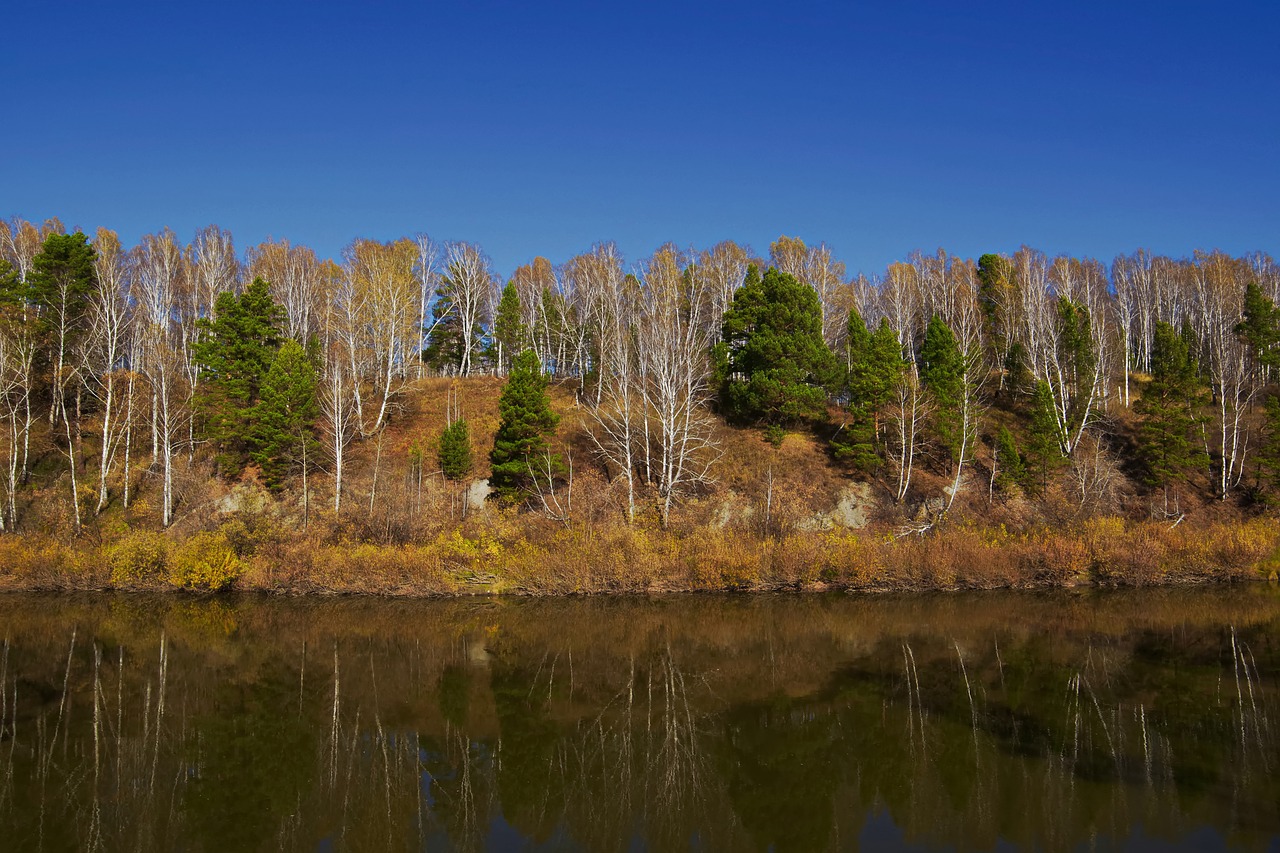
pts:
[542, 128]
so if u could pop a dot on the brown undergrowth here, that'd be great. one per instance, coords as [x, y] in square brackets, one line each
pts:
[516, 556]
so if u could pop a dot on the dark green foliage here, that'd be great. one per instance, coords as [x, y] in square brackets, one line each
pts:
[1269, 451]
[875, 366]
[526, 423]
[62, 281]
[875, 363]
[454, 450]
[10, 287]
[236, 351]
[1016, 374]
[448, 343]
[510, 336]
[1078, 356]
[284, 418]
[1010, 469]
[773, 366]
[995, 286]
[1170, 409]
[1260, 328]
[1044, 438]
[943, 370]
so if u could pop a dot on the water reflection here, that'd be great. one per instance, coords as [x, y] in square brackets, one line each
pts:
[979, 721]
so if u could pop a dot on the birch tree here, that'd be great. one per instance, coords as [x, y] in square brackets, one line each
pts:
[297, 281]
[616, 421]
[106, 357]
[380, 295]
[463, 303]
[159, 270]
[673, 344]
[1217, 308]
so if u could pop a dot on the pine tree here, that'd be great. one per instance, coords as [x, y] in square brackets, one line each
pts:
[773, 366]
[449, 340]
[284, 418]
[943, 371]
[1044, 438]
[1170, 408]
[995, 292]
[1079, 358]
[526, 423]
[510, 336]
[1260, 328]
[62, 281]
[454, 450]
[237, 350]
[1011, 470]
[875, 364]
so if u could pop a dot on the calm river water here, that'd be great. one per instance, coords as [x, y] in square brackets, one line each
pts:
[1135, 720]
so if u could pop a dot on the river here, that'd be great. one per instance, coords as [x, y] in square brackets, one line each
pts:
[1142, 719]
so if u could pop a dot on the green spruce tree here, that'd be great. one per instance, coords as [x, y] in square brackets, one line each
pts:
[283, 438]
[510, 335]
[526, 422]
[61, 284]
[773, 366]
[1010, 469]
[1171, 411]
[1259, 328]
[1044, 439]
[237, 348]
[454, 450]
[1078, 356]
[944, 372]
[875, 365]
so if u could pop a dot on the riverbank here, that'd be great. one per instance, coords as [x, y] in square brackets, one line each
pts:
[482, 559]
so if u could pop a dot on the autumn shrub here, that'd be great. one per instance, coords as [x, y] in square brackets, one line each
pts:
[206, 562]
[981, 558]
[379, 569]
[835, 558]
[723, 560]
[138, 557]
[1058, 559]
[37, 563]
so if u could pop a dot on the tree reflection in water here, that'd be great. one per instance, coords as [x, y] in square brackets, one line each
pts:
[785, 723]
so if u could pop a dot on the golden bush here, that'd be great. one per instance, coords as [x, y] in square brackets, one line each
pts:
[139, 557]
[205, 562]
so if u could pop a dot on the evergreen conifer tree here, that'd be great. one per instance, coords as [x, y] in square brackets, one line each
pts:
[1260, 328]
[284, 418]
[454, 450]
[1079, 358]
[943, 371]
[237, 350]
[510, 336]
[61, 282]
[773, 366]
[1044, 439]
[1011, 470]
[875, 364]
[526, 423]
[1170, 408]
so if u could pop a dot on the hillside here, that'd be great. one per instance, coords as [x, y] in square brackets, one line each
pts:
[789, 516]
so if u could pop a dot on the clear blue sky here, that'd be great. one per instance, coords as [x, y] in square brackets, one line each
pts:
[542, 128]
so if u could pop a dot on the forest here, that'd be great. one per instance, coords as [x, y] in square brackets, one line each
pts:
[401, 419]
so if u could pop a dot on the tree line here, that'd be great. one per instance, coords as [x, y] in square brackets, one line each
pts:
[280, 358]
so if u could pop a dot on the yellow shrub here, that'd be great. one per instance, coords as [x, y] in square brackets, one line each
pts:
[139, 556]
[206, 561]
